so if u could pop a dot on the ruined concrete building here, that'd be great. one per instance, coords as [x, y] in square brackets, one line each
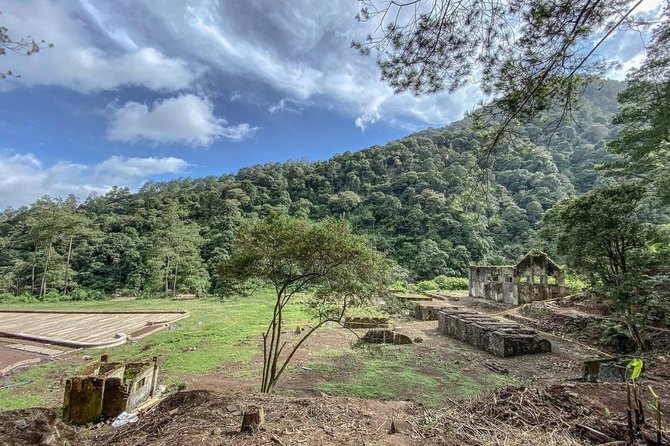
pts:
[107, 389]
[535, 277]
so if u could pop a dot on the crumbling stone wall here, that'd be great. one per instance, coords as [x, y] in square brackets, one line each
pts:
[366, 322]
[108, 389]
[527, 281]
[380, 336]
[493, 282]
[492, 335]
[426, 312]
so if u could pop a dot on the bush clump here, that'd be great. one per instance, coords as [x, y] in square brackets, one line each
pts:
[447, 283]
[427, 285]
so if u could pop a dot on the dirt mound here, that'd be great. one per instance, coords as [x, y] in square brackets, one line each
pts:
[550, 416]
[34, 427]
[208, 418]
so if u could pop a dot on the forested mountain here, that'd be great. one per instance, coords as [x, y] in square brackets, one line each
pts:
[421, 199]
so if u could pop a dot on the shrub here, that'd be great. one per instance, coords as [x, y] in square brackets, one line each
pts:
[574, 283]
[398, 285]
[395, 306]
[427, 285]
[447, 283]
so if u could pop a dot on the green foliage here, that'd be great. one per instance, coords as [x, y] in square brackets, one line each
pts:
[395, 306]
[603, 234]
[573, 282]
[293, 254]
[446, 283]
[418, 199]
[427, 285]
[643, 143]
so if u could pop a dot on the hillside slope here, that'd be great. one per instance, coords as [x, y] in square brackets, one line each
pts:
[419, 198]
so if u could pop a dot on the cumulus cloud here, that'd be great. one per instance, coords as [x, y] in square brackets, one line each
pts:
[24, 178]
[186, 119]
[298, 49]
[79, 62]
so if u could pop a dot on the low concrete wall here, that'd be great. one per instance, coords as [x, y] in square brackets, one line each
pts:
[366, 322]
[492, 335]
[427, 312]
[381, 336]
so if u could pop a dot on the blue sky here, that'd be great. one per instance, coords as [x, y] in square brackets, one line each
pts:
[140, 90]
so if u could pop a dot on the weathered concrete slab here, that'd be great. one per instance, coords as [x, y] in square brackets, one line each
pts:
[492, 335]
[83, 328]
[366, 322]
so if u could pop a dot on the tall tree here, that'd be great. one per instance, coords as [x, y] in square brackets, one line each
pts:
[604, 234]
[643, 145]
[294, 254]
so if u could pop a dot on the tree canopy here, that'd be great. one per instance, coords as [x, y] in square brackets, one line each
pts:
[295, 254]
[528, 55]
[416, 198]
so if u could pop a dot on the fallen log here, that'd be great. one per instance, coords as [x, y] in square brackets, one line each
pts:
[593, 434]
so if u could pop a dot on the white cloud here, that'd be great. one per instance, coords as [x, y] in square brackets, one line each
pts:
[367, 118]
[77, 63]
[285, 105]
[298, 49]
[301, 50]
[186, 119]
[24, 178]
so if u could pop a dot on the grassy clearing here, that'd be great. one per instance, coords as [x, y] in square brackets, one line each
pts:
[216, 334]
[416, 372]
[223, 337]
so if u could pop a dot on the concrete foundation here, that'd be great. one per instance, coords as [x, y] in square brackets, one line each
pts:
[109, 389]
[503, 339]
[366, 322]
[385, 337]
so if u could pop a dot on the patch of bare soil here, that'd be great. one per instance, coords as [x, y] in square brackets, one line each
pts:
[509, 416]
[35, 427]
[208, 418]
[549, 416]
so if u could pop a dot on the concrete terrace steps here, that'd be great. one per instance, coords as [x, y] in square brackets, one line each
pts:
[501, 338]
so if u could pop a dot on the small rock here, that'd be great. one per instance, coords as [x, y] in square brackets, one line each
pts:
[21, 424]
[231, 408]
[662, 359]
[174, 411]
[48, 439]
[87, 358]
[399, 427]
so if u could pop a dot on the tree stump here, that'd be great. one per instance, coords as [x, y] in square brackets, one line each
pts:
[252, 419]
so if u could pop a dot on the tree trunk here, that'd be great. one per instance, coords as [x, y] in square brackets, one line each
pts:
[43, 285]
[67, 266]
[167, 274]
[174, 282]
[252, 419]
[32, 279]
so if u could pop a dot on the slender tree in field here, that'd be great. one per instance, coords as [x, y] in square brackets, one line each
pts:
[293, 255]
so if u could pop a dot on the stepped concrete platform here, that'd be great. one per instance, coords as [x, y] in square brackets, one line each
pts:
[501, 338]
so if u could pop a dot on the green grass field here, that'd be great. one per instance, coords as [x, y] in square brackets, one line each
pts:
[223, 337]
[216, 334]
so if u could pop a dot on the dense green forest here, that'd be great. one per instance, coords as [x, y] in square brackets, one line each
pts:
[424, 200]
